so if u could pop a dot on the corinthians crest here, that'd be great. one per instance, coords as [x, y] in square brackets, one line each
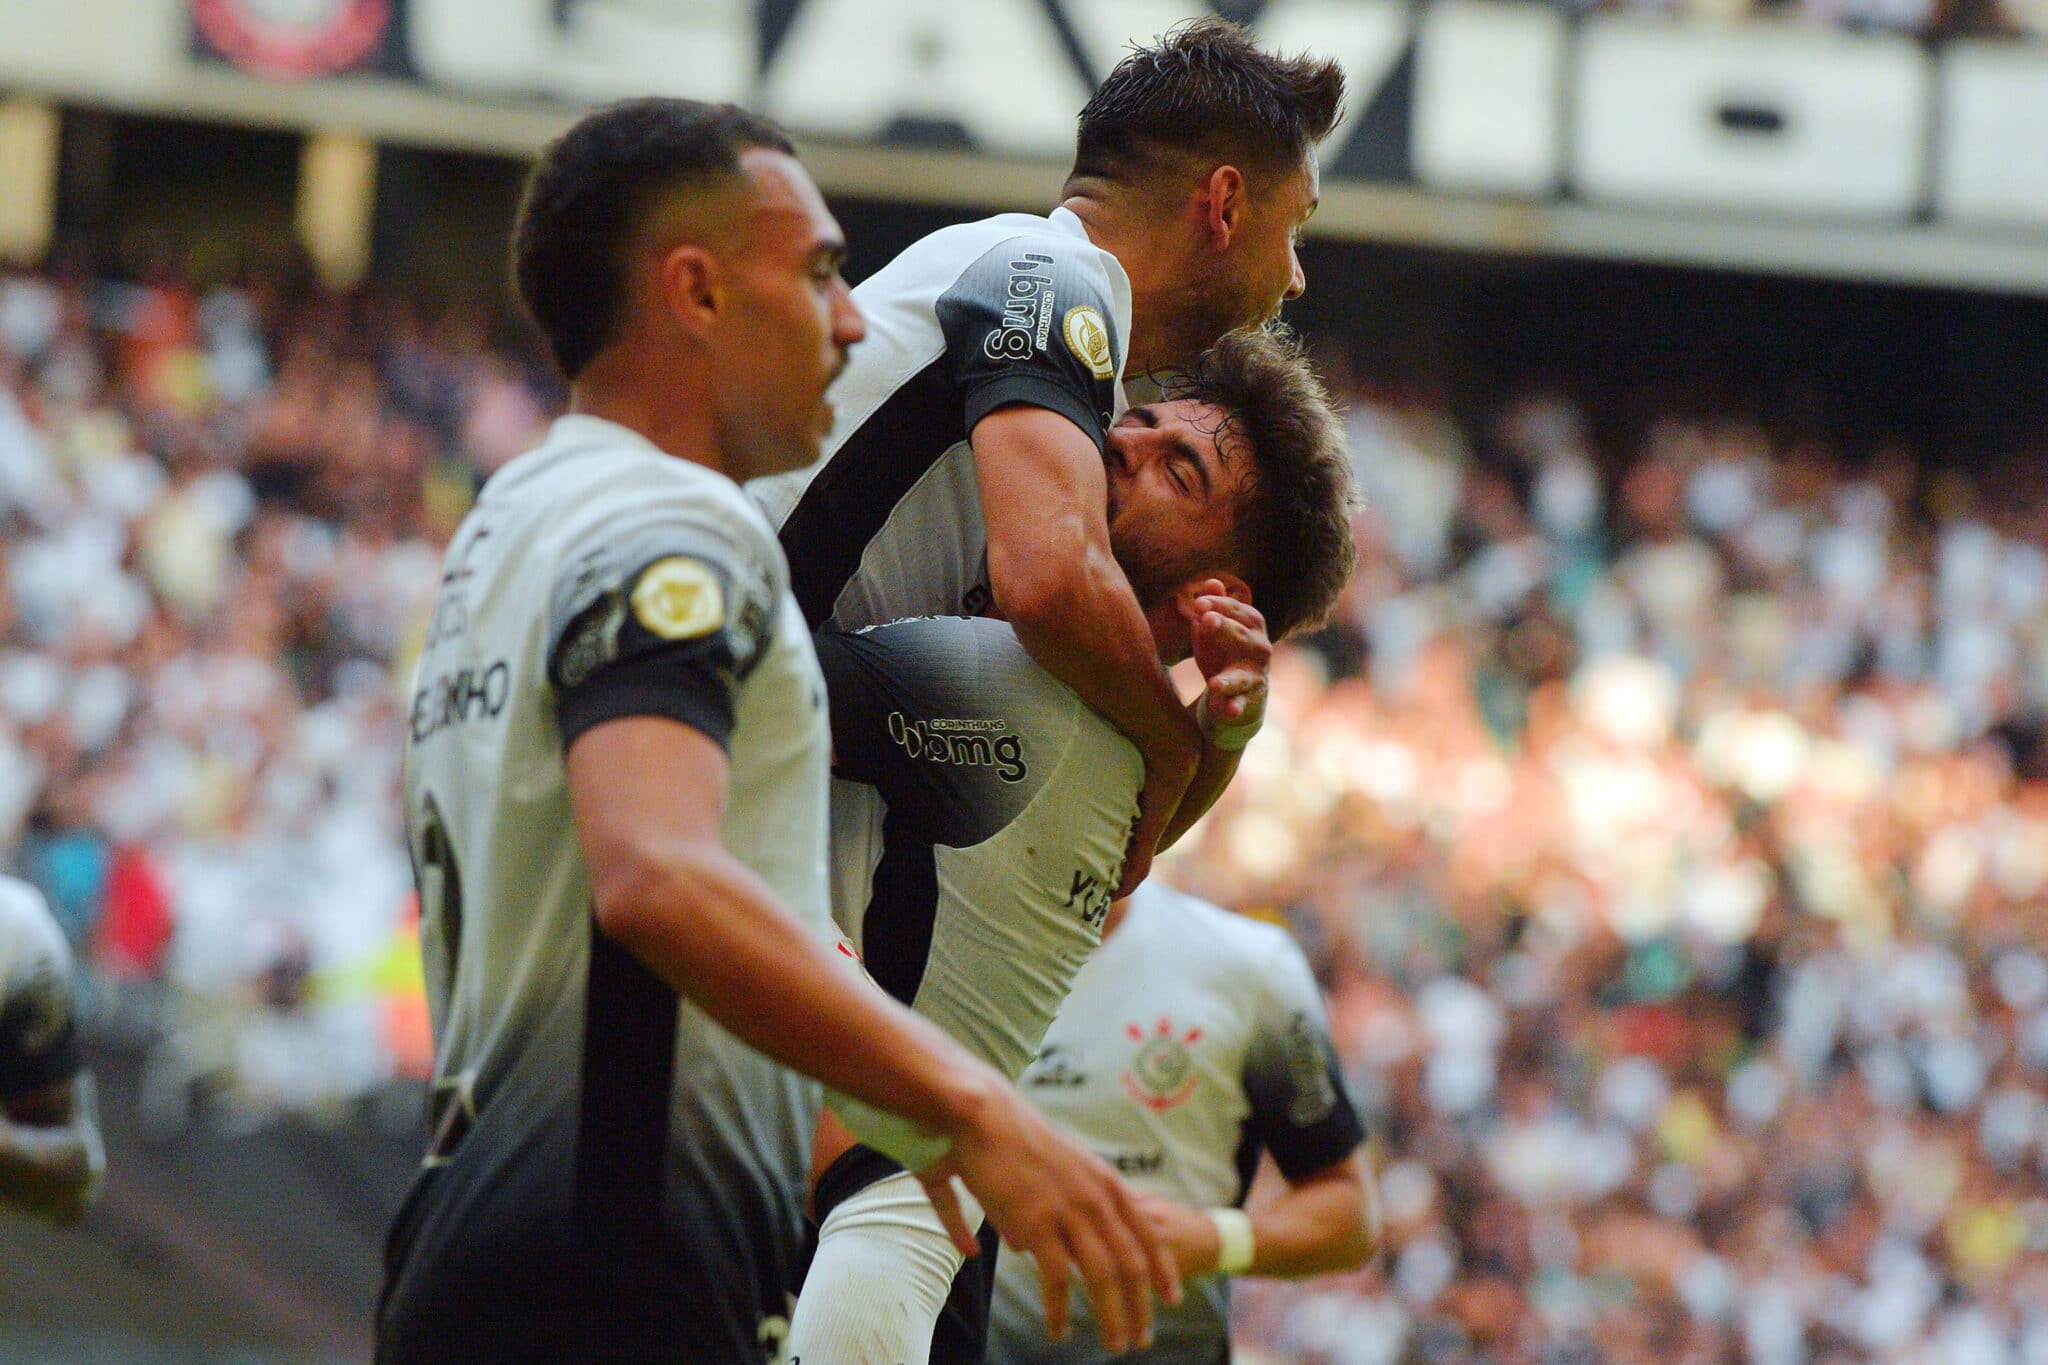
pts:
[1162, 1075]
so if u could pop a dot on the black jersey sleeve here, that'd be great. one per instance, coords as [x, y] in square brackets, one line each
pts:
[917, 716]
[663, 619]
[1032, 321]
[1301, 1112]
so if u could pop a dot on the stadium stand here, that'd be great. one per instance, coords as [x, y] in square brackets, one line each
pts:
[1666, 811]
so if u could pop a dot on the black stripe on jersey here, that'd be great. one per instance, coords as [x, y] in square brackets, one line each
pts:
[629, 1054]
[847, 504]
[896, 934]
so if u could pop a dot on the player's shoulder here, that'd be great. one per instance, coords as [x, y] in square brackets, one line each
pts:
[28, 931]
[1229, 936]
[935, 262]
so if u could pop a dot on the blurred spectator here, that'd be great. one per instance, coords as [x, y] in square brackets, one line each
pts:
[1679, 880]
[223, 513]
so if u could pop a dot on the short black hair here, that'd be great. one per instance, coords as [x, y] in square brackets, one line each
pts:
[1293, 543]
[1206, 88]
[587, 194]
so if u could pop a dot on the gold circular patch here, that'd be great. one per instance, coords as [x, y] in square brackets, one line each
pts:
[679, 598]
[1088, 338]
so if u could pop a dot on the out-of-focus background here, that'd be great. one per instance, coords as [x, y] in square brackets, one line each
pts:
[1666, 810]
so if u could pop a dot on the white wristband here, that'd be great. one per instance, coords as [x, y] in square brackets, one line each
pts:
[1225, 736]
[1234, 1246]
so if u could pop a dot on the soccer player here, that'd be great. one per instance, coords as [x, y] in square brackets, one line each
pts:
[51, 1155]
[1193, 1041]
[615, 791]
[1009, 804]
[966, 465]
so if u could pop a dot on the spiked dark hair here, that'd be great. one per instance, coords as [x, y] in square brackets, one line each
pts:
[1205, 88]
[1293, 543]
[587, 195]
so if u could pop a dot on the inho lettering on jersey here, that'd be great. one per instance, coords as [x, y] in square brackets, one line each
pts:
[1162, 1076]
[968, 741]
[455, 698]
[1027, 311]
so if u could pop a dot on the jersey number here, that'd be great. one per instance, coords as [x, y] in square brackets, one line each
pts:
[440, 892]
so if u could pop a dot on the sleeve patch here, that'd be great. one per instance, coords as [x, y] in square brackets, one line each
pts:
[1087, 336]
[679, 598]
[1313, 1095]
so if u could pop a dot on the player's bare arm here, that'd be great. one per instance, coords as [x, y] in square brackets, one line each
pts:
[1322, 1224]
[1056, 581]
[648, 795]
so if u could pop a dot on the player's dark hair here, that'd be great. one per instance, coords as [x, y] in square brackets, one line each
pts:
[587, 195]
[1293, 544]
[1205, 88]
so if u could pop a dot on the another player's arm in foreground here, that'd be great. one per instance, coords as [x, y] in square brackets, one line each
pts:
[1327, 1221]
[51, 1154]
[1044, 501]
[648, 794]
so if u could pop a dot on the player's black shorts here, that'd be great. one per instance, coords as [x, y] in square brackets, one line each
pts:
[961, 1336]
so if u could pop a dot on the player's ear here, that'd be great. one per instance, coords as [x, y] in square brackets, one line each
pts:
[1223, 205]
[1187, 596]
[690, 287]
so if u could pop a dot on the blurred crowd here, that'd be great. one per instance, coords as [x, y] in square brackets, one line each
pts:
[221, 514]
[1666, 810]
[1667, 816]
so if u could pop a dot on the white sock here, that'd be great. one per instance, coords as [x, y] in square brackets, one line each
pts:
[880, 1279]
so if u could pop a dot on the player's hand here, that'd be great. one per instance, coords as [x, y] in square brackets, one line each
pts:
[1065, 1207]
[1189, 1233]
[1235, 654]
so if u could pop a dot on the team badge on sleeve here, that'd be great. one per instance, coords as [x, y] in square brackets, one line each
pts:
[1087, 336]
[679, 598]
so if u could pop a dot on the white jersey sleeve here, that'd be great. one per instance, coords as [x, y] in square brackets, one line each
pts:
[1011, 309]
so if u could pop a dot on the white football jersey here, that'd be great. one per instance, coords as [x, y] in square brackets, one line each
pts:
[1007, 806]
[582, 1108]
[1193, 1041]
[38, 1047]
[1010, 309]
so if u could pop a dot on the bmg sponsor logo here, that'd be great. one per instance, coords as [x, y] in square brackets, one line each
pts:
[972, 743]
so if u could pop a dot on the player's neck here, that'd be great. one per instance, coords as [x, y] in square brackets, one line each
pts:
[668, 414]
[1148, 263]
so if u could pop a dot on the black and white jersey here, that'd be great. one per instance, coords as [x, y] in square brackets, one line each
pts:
[1193, 1041]
[1006, 805]
[38, 1047]
[607, 1160]
[1011, 309]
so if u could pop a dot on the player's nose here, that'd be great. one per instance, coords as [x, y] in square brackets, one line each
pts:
[1297, 283]
[848, 326]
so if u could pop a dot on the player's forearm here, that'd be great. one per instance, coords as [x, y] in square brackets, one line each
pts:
[1320, 1226]
[1075, 615]
[1212, 774]
[715, 933]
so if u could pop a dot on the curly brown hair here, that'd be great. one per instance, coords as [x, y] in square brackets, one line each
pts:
[1293, 544]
